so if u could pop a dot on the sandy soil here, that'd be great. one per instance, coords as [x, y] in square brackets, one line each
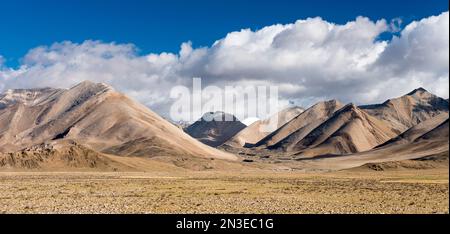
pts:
[355, 191]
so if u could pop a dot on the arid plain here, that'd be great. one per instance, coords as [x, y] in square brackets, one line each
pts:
[365, 191]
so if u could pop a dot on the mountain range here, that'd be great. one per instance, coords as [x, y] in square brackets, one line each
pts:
[93, 126]
[332, 128]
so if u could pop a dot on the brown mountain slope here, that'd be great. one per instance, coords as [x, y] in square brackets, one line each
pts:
[440, 133]
[349, 130]
[404, 112]
[295, 130]
[214, 129]
[256, 132]
[418, 130]
[96, 116]
[432, 147]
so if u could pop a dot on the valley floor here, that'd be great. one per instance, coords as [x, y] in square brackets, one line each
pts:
[354, 191]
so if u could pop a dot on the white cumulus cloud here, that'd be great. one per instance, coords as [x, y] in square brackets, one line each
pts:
[309, 60]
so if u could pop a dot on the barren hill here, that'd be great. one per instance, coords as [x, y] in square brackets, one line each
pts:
[428, 150]
[418, 130]
[256, 132]
[96, 116]
[404, 112]
[292, 132]
[349, 130]
[440, 133]
[214, 129]
[58, 155]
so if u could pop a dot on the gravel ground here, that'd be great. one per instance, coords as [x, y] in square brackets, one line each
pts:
[424, 192]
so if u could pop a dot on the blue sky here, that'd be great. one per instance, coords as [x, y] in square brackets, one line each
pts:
[157, 26]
